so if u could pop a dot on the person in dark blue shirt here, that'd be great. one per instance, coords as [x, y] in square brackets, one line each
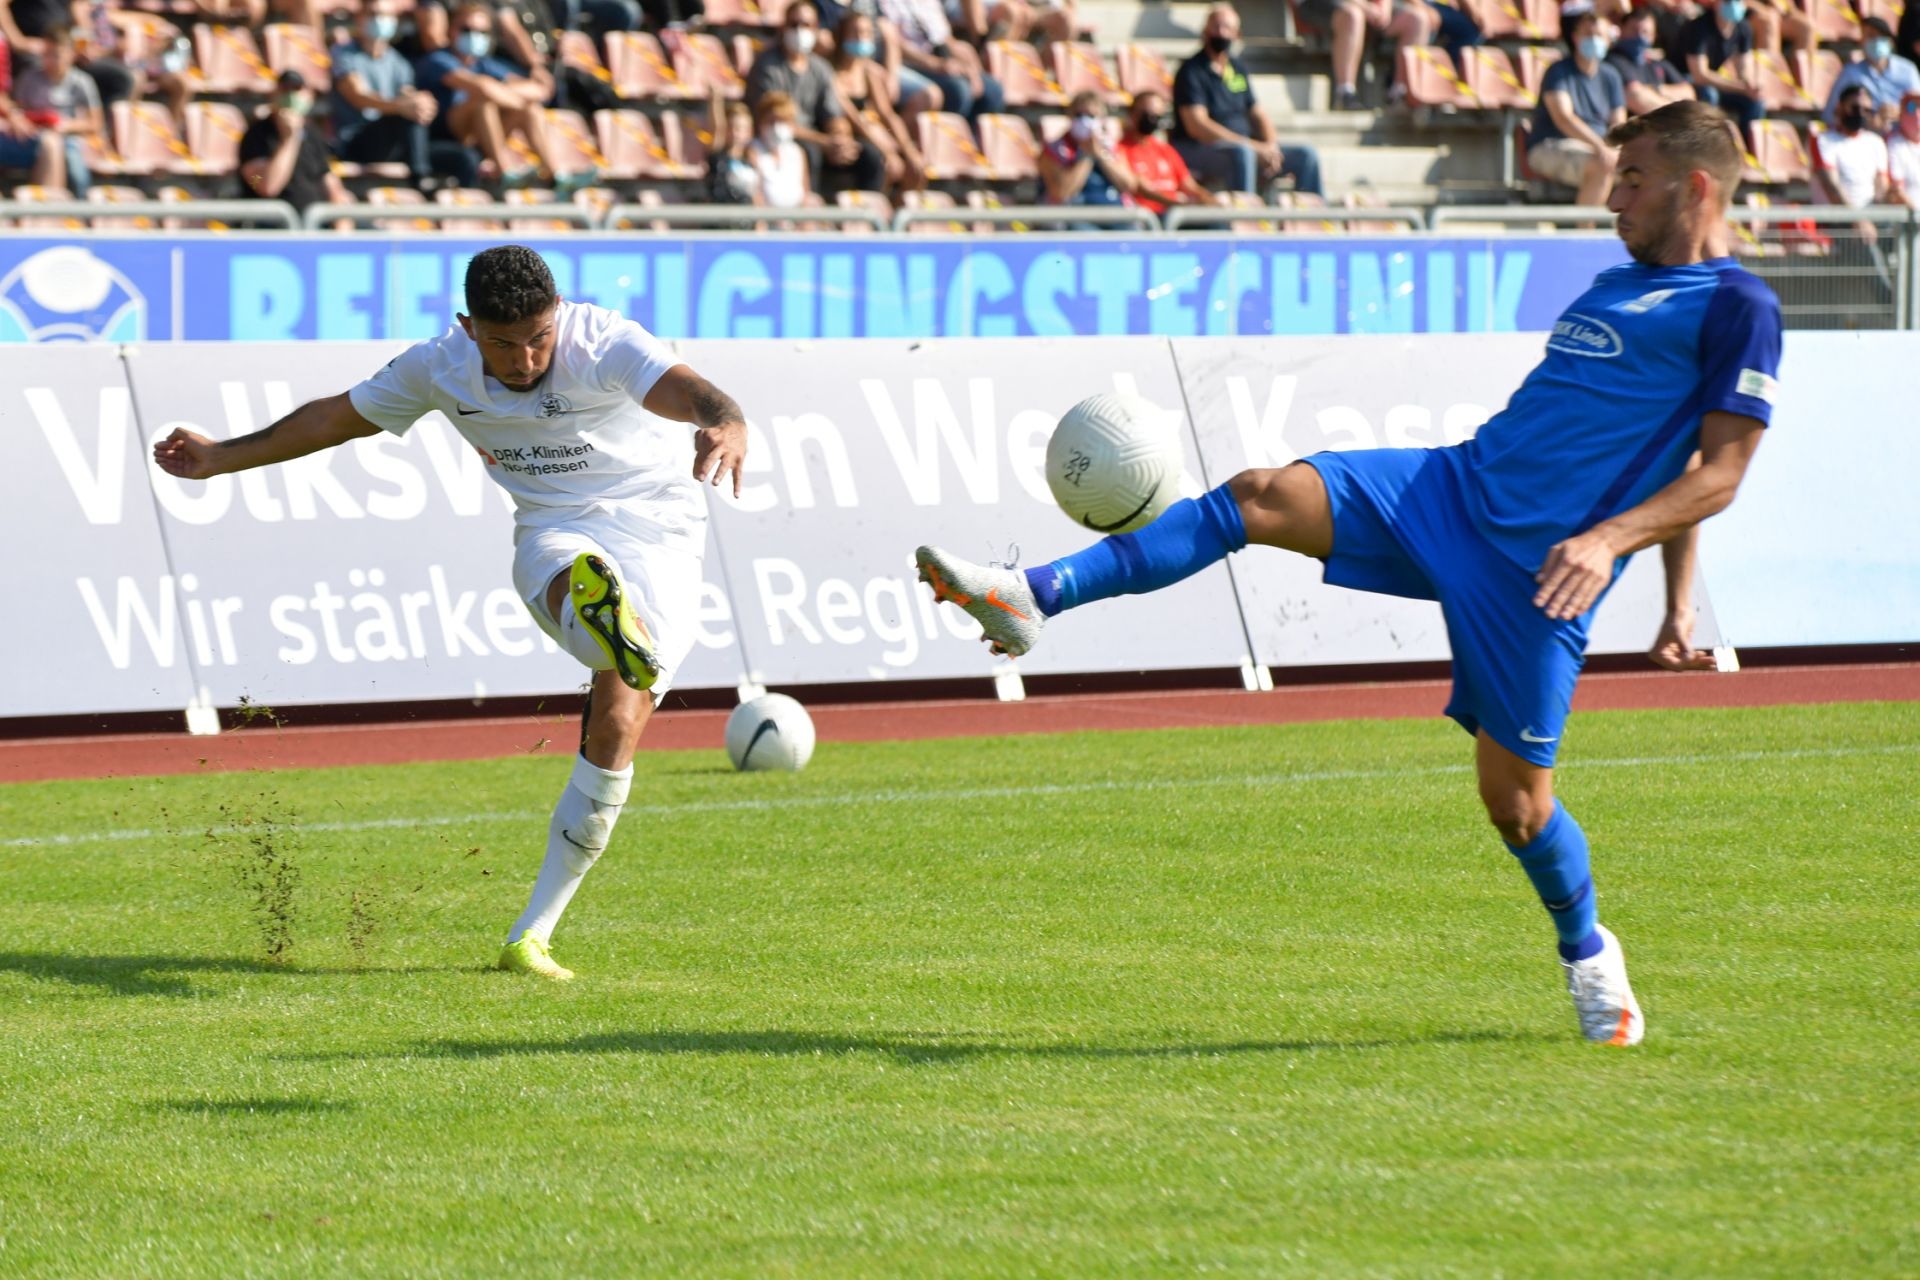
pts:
[1638, 424]
[1651, 81]
[484, 100]
[1719, 50]
[1581, 98]
[1220, 131]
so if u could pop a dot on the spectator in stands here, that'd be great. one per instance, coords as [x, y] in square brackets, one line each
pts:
[1455, 28]
[776, 155]
[1039, 20]
[1161, 177]
[1719, 51]
[58, 96]
[430, 32]
[379, 117]
[1581, 97]
[1348, 21]
[866, 97]
[484, 99]
[1903, 155]
[838, 158]
[23, 144]
[1651, 81]
[1080, 167]
[282, 156]
[24, 24]
[1850, 159]
[1222, 134]
[931, 57]
[1885, 75]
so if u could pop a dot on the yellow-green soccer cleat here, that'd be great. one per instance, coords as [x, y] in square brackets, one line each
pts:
[600, 602]
[530, 955]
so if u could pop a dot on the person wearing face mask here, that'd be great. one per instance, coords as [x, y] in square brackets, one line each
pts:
[1885, 75]
[282, 156]
[379, 117]
[838, 159]
[776, 155]
[1080, 167]
[935, 66]
[1903, 155]
[1850, 159]
[1651, 81]
[1161, 177]
[1222, 133]
[484, 99]
[866, 99]
[1581, 98]
[1720, 58]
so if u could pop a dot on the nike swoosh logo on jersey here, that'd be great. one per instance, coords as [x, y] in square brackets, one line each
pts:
[1527, 735]
[464, 411]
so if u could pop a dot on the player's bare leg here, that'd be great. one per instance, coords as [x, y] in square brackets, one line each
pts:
[1282, 507]
[1552, 849]
[583, 820]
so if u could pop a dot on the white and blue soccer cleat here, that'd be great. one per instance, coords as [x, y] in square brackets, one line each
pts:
[998, 599]
[1602, 996]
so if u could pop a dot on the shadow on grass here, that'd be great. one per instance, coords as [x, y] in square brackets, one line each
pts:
[916, 1049]
[154, 975]
[250, 1106]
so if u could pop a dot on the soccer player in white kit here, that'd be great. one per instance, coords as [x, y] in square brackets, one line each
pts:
[609, 522]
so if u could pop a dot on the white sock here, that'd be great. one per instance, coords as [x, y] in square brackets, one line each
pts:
[582, 824]
[579, 641]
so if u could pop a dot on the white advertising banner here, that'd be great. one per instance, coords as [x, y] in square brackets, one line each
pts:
[863, 450]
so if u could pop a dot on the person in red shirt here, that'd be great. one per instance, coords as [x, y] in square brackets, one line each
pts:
[1164, 177]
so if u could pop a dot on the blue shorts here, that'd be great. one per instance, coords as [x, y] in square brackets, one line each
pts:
[1401, 527]
[19, 153]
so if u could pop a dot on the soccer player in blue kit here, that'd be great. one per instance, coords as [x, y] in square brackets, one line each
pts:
[1640, 422]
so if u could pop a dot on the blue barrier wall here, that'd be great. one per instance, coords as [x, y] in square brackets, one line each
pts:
[279, 287]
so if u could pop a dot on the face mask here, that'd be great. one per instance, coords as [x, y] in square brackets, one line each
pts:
[1879, 50]
[782, 133]
[473, 44]
[383, 26]
[801, 39]
[177, 56]
[1218, 44]
[1852, 120]
[861, 48]
[296, 103]
[1593, 48]
[1632, 48]
[1082, 128]
[1733, 10]
[1145, 125]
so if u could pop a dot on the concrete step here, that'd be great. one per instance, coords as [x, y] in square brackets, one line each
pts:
[1120, 22]
[1347, 168]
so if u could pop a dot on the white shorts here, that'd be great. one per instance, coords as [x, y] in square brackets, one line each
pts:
[663, 582]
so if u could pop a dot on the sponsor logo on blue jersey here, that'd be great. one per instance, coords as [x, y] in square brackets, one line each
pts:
[1579, 335]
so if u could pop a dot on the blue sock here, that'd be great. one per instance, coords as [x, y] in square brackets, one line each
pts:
[1556, 862]
[1189, 535]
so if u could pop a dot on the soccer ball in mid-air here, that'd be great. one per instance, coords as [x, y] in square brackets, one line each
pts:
[1114, 462]
[771, 731]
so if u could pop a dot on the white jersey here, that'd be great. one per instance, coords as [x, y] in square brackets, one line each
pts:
[578, 440]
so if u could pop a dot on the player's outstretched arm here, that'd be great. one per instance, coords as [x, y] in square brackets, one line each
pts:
[1579, 569]
[317, 425]
[720, 443]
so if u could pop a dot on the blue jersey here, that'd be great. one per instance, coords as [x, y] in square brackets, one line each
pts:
[1612, 414]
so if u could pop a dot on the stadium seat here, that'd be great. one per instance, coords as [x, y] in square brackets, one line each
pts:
[574, 147]
[745, 13]
[631, 146]
[45, 195]
[1534, 61]
[641, 70]
[947, 143]
[1512, 20]
[214, 130]
[143, 36]
[464, 198]
[930, 200]
[1779, 153]
[292, 46]
[101, 193]
[1141, 70]
[1025, 79]
[1818, 74]
[686, 144]
[1011, 150]
[702, 61]
[596, 201]
[1431, 80]
[1495, 81]
[1778, 89]
[1834, 21]
[144, 135]
[533, 197]
[1081, 69]
[870, 200]
[745, 49]
[103, 161]
[401, 196]
[230, 61]
[577, 50]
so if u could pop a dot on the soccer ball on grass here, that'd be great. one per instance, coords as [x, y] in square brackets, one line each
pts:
[771, 731]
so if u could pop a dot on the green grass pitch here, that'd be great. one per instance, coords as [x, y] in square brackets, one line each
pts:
[1248, 1001]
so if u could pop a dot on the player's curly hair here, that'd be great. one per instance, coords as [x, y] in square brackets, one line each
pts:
[507, 284]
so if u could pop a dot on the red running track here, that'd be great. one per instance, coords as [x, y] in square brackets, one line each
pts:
[135, 755]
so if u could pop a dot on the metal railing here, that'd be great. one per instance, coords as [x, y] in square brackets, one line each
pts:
[736, 215]
[1524, 217]
[275, 212]
[1182, 217]
[320, 217]
[1039, 215]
